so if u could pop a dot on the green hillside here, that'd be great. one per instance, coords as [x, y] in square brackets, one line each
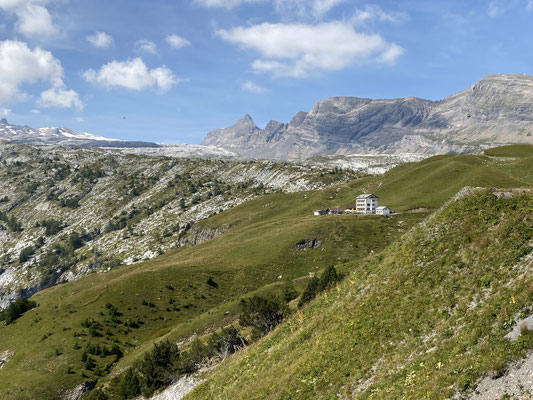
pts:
[424, 319]
[513, 151]
[169, 297]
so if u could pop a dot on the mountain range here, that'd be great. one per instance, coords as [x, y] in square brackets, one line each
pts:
[61, 136]
[496, 110]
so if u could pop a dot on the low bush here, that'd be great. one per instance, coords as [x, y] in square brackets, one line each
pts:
[262, 314]
[16, 309]
[26, 253]
[329, 278]
[52, 226]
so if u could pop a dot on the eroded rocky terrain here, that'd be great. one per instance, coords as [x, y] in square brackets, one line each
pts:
[67, 212]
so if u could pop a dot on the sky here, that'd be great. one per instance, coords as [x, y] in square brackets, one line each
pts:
[169, 71]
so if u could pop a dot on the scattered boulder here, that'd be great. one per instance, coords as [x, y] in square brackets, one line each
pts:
[306, 244]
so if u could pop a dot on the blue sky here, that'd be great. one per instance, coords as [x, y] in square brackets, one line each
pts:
[169, 71]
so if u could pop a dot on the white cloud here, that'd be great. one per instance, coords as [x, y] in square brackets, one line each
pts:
[315, 8]
[146, 46]
[252, 87]
[227, 4]
[34, 19]
[133, 75]
[176, 41]
[80, 119]
[35, 111]
[321, 7]
[20, 65]
[60, 97]
[299, 50]
[100, 39]
[305, 8]
[529, 5]
[493, 10]
[5, 112]
[374, 12]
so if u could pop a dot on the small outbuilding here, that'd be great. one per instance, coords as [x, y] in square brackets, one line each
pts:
[335, 211]
[383, 210]
[350, 210]
[319, 212]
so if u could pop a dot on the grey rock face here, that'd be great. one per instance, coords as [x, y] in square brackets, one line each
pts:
[496, 110]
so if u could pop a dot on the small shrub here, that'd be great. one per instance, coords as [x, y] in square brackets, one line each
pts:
[14, 225]
[310, 291]
[289, 292]
[96, 394]
[156, 367]
[129, 385]
[227, 342]
[262, 314]
[26, 253]
[329, 278]
[52, 226]
[89, 364]
[16, 309]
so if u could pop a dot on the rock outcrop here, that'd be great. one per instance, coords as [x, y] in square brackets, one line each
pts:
[496, 110]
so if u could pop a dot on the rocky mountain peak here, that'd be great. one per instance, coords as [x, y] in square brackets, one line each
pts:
[498, 109]
[4, 121]
[246, 119]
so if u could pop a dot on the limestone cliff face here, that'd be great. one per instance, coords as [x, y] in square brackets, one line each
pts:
[496, 110]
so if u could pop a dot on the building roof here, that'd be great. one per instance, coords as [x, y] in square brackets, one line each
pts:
[381, 207]
[366, 196]
[336, 209]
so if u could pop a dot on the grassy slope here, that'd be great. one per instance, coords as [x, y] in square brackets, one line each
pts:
[246, 258]
[421, 320]
[249, 256]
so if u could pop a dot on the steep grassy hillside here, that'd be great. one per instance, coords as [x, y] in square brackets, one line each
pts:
[254, 250]
[424, 319]
[169, 296]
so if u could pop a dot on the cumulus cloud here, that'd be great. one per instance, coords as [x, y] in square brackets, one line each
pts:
[227, 4]
[177, 42]
[252, 87]
[299, 50]
[34, 19]
[146, 46]
[100, 39]
[133, 75]
[5, 112]
[60, 97]
[21, 65]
